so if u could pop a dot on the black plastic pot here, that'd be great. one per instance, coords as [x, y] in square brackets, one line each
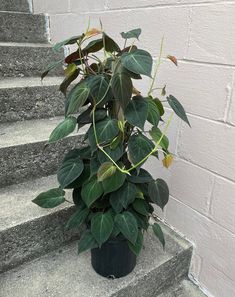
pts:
[114, 259]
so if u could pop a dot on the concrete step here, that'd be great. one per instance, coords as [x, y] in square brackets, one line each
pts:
[23, 27]
[64, 273]
[26, 230]
[29, 98]
[27, 59]
[184, 289]
[13, 5]
[22, 153]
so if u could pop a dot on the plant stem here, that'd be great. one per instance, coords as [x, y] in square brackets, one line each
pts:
[156, 69]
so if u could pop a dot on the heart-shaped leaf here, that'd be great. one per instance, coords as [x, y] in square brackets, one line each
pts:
[77, 219]
[63, 129]
[126, 194]
[86, 242]
[137, 247]
[113, 182]
[153, 112]
[100, 90]
[156, 134]
[50, 67]
[102, 226]
[136, 112]
[77, 97]
[159, 192]
[70, 40]
[138, 61]
[127, 224]
[91, 191]
[106, 170]
[135, 33]
[69, 170]
[142, 177]
[50, 199]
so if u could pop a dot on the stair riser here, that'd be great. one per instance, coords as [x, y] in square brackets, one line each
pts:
[13, 5]
[19, 61]
[34, 238]
[17, 104]
[22, 27]
[28, 161]
[157, 280]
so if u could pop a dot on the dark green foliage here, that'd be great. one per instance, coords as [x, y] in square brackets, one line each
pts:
[113, 195]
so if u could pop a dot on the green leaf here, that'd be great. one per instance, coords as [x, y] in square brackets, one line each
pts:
[86, 117]
[153, 112]
[114, 182]
[127, 224]
[142, 177]
[136, 249]
[159, 192]
[91, 191]
[70, 40]
[78, 182]
[138, 61]
[116, 203]
[77, 97]
[63, 129]
[126, 194]
[160, 106]
[178, 108]
[156, 134]
[86, 242]
[83, 153]
[69, 170]
[159, 234]
[136, 112]
[94, 165]
[50, 67]
[141, 206]
[139, 146]
[122, 88]
[142, 221]
[99, 88]
[93, 46]
[106, 170]
[135, 33]
[106, 130]
[110, 45]
[50, 199]
[77, 219]
[102, 226]
[115, 154]
[68, 80]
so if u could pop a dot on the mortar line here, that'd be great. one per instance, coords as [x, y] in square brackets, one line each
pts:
[229, 98]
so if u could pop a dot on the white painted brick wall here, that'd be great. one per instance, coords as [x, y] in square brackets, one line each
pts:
[201, 33]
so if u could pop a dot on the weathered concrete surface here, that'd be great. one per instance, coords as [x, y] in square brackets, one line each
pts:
[29, 98]
[64, 273]
[13, 5]
[18, 60]
[26, 230]
[22, 27]
[184, 289]
[22, 153]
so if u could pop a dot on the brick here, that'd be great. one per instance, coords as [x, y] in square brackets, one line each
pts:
[52, 6]
[87, 5]
[211, 241]
[158, 22]
[210, 145]
[211, 31]
[222, 205]
[202, 89]
[215, 281]
[191, 185]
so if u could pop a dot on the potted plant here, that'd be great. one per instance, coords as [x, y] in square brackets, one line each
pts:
[112, 193]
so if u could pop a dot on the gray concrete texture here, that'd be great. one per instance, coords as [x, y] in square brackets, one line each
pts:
[26, 230]
[13, 5]
[29, 98]
[22, 27]
[22, 153]
[64, 273]
[19, 60]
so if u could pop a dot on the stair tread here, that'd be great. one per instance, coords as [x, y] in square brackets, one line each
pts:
[16, 205]
[30, 131]
[24, 82]
[64, 273]
[25, 44]
[185, 288]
